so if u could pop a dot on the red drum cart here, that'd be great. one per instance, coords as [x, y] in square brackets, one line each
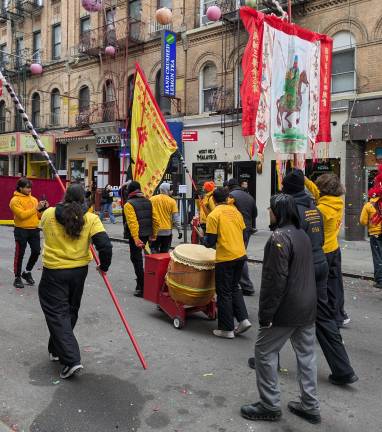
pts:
[157, 291]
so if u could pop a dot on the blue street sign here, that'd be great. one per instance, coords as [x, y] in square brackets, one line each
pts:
[168, 81]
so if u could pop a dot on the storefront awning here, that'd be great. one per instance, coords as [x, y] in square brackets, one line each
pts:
[75, 135]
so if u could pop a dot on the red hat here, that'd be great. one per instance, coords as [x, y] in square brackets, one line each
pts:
[209, 186]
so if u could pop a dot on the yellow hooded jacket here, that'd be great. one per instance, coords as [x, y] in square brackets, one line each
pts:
[367, 213]
[332, 210]
[24, 209]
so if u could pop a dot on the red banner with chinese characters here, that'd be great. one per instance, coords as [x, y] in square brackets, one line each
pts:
[152, 143]
[286, 85]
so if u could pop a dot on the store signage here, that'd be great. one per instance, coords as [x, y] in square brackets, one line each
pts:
[8, 143]
[108, 139]
[168, 68]
[206, 155]
[190, 136]
[28, 144]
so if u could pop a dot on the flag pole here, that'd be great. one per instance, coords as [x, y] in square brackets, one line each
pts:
[41, 147]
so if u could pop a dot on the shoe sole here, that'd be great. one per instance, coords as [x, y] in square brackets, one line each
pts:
[262, 418]
[27, 282]
[73, 372]
[339, 383]
[242, 331]
[305, 416]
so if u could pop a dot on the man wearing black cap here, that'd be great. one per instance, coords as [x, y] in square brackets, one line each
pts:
[246, 205]
[328, 335]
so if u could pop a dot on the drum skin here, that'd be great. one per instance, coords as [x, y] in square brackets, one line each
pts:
[190, 286]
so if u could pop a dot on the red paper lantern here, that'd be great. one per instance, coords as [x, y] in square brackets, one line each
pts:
[36, 69]
[110, 50]
[214, 13]
[92, 5]
[163, 16]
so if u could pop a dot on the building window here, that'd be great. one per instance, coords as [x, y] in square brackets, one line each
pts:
[111, 37]
[343, 68]
[130, 87]
[3, 56]
[108, 101]
[56, 41]
[238, 82]
[2, 117]
[37, 46]
[135, 9]
[85, 25]
[208, 88]
[84, 99]
[55, 107]
[36, 110]
[204, 5]
[19, 59]
[164, 3]
[163, 102]
[4, 5]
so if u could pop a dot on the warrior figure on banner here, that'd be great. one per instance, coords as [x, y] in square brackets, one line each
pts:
[290, 102]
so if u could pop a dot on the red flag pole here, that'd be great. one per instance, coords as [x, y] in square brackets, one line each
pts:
[41, 147]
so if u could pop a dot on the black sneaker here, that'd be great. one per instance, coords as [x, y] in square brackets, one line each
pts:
[252, 363]
[138, 293]
[256, 411]
[18, 283]
[310, 416]
[69, 371]
[248, 293]
[27, 276]
[340, 381]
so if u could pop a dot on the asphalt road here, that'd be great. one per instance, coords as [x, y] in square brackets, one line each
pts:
[195, 381]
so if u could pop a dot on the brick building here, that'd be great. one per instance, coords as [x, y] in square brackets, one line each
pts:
[82, 96]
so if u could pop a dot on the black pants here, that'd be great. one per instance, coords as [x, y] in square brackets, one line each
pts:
[245, 282]
[162, 244]
[336, 298]
[22, 238]
[327, 332]
[136, 258]
[376, 250]
[229, 297]
[60, 293]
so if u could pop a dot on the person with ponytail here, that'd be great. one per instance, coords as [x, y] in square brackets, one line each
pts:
[371, 216]
[68, 231]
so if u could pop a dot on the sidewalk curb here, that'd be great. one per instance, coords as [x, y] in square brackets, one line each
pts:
[258, 261]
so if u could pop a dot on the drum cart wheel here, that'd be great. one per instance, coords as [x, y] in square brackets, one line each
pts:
[178, 323]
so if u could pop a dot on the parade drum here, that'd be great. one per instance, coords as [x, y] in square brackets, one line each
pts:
[191, 274]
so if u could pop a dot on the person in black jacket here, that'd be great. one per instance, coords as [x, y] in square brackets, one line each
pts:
[328, 334]
[246, 205]
[107, 203]
[287, 310]
[142, 225]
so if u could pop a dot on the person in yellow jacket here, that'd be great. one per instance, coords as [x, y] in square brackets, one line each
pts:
[167, 211]
[328, 193]
[27, 212]
[142, 225]
[371, 217]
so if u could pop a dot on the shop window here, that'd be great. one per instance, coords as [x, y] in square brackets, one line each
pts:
[208, 88]
[61, 155]
[343, 68]
[2, 117]
[55, 107]
[77, 170]
[56, 41]
[163, 101]
[36, 121]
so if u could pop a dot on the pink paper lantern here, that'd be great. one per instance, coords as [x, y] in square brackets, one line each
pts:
[110, 50]
[92, 5]
[36, 69]
[214, 13]
[163, 16]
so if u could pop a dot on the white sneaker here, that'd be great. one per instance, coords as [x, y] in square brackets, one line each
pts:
[224, 334]
[346, 321]
[242, 327]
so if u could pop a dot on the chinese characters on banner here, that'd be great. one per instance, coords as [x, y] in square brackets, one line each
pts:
[151, 141]
[286, 86]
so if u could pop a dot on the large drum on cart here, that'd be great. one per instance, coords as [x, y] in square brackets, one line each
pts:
[191, 275]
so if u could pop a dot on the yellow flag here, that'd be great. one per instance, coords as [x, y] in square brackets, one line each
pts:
[152, 143]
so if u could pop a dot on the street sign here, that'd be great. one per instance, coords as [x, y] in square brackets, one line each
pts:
[189, 136]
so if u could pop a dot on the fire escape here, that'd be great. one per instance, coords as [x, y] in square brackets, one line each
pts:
[121, 35]
[15, 64]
